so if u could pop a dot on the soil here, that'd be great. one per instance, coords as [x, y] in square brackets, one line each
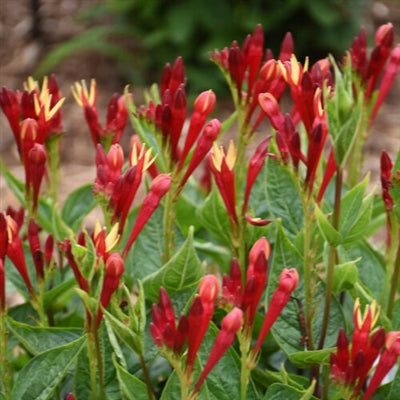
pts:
[23, 46]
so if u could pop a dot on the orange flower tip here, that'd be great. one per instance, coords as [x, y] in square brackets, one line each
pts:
[205, 102]
[114, 266]
[161, 184]
[233, 321]
[209, 288]
[392, 342]
[383, 31]
[29, 128]
[257, 221]
[261, 245]
[289, 279]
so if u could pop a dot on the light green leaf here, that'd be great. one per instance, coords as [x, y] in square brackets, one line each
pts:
[304, 359]
[279, 391]
[331, 235]
[345, 276]
[33, 384]
[77, 205]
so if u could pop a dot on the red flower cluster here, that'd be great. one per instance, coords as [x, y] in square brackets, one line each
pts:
[117, 114]
[250, 72]
[192, 329]
[383, 64]
[167, 120]
[34, 116]
[350, 368]
[248, 298]
[242, 304]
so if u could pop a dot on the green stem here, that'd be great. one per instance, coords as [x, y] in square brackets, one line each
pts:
[244, 341]
[5, 366]
[395, 273]
[99, 359]
[168, 221]
[308, 278]
[52, 145]
[332, 261]
[92, 364]
[146, 377]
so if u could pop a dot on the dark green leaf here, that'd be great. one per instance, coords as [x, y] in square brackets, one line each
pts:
[131, 387]
[182, 272]
[40, 377]
[331, 235]
[37, 340]
[213, 216]
[279, 391]
[77, 205]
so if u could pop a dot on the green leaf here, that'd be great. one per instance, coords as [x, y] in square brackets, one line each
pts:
[371, 268]
[275, 195]
[131, 387]
[77, 205]
[58, 294]
[181, 273]
[331, 235]
[351, 207]
[14, 184]
[219, 385]
[287, 329]
[279, 391]
[345, 276]
[146, 254]
[304, 359]
[213, 216]
[37, 340]
[125, 333]
[40, 377]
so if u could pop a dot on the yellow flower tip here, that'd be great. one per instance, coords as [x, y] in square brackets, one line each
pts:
[282, 67]
[30, 84]
[217, 156]
[231, 155]
[371, 311]
[113, 237]
[295, 70]
[82, 95]
[306, 64]
[318, 101]
[97, 228]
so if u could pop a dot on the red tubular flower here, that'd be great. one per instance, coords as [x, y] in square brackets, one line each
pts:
[230, 325]
[222, 168]
[66, 247]
[256, 278]
[209, 288]
[159, 187]
[114, 269]
[386, 173]
[232, 285]
[203, 106]
[340, 362]
[210, 134]
[15, 252]
[389, 75]
[329, 172]
[163, 329]
[386, 362]
[48, 249]
[37, 162]
[34, 245]
[3, 236]
[384, 40]
[199, 318]
[2, 287]
[255, 165]
[9, 104]
[288, 281]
